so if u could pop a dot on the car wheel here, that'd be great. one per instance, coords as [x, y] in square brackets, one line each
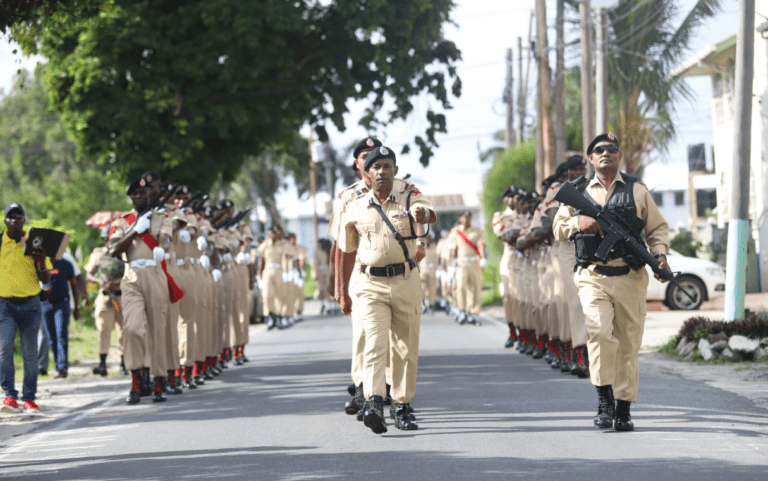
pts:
[677, 300]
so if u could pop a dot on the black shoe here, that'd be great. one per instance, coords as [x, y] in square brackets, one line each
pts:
[356, 404]
[189, 384]
[123, 370]
[215, 370]
[208, 376]
[566, 367]
[100, 370]
[133, 397]
[157, 397]
[352, 389]
[374, 416]
[388, 397]
[580, 370]
[404, 420]
[42, 372]
[146, 390]
[556, 364]
[199, 380]
[244, 359]
[222, 365]
[530, 349]
[510, 342]
[172, 388]
[271, 322]
[238, 362]
[538, 353]
[361, 413]
[605, 407]
[623, 418]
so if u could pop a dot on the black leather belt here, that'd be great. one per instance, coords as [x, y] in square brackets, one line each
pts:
[612, 271]
[20, 300]
[117, 293]
[391, 270]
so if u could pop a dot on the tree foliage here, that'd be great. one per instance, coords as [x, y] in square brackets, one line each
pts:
[515, 166]
[193, 88]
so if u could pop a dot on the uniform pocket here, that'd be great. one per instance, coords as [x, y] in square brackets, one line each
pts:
[368, 235]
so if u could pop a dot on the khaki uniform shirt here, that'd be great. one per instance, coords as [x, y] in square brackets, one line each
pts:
[347, 195]
[502, 223]
[656, 228]
[272, 253]
[160, 226]
[362, 227]
[463, 250]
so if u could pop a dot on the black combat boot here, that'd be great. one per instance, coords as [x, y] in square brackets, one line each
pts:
[404, 420]
[170, 384]
[361, 413]
[623, 418]
[351, 389]
[187, 380]
[146, 383]
[134, 395]
[374, 416]
[605, 407]
[580, 368]
[101, 369]
[565, 347]
[388, 397]
[157, 392]
[356, 404]
[123, 370]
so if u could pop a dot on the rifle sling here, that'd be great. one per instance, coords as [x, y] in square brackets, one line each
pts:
[398, 237]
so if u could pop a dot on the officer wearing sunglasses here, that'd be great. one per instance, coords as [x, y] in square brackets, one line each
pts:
[613, 293]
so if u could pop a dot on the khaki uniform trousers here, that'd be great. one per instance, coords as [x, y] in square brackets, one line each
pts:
[203, 303]
[188, 314]
[576, 322]
[546, 292]
[323, 282]
[469, 278]
[358, 335]
[614, 308]
[298, 294]
[235, 334]
[527, 279]
[514, 288]
[146, 313]
[390, 312]
[227, 306]
[107, 317]
[559, 305]
[217, 317]
[272, 284]
[172, 327]
[244, 312]
[288, 299]
[428, 284]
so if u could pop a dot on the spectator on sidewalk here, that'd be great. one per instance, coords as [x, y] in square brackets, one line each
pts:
[56, 313]
[19, 309]
[43, 344]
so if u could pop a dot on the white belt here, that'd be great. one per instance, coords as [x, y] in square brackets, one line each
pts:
[274, 266]
[469, 259]
[142, 263]
[191, 260]
[429, 266]
[180, 262]
[167, 256]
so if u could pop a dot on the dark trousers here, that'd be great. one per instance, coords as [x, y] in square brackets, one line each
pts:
[57, 327]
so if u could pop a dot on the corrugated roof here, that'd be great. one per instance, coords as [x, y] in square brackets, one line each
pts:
[702, 64]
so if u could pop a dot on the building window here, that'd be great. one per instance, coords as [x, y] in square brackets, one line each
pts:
[705, 199]
[679, 197]
[658, 198]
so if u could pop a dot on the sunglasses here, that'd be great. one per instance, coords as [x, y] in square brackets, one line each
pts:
[15, 215]
[611, 149]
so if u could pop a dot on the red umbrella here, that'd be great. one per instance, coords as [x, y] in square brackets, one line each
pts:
[101, 219]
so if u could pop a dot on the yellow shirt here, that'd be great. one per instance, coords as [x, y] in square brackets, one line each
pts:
[18, 277]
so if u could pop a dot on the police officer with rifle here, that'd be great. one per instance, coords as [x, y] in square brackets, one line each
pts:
[605, 217]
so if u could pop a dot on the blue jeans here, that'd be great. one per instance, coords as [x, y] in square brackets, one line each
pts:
[43, 348]
[57, 327]
[24, 318]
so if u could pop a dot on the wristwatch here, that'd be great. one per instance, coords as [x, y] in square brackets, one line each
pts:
[421, 244]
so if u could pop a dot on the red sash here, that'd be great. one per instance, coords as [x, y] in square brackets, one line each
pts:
[175, 291]
[469, 242]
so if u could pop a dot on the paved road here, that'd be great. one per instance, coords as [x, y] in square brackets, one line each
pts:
[484, 413]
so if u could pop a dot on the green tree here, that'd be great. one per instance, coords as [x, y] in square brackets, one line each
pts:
[515, 166]
[194, 88]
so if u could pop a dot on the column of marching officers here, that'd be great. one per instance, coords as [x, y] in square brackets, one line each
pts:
[176, 277]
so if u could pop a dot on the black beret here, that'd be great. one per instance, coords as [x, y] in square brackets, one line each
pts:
[137, 183]
[550, 180]
[368, 143]
[508, 192]
[573, 161]
[530, 196]
[150, 176]
[377, 154]
[606, 137]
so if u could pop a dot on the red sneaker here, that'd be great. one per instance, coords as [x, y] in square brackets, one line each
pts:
[31, 407]
[9, 406]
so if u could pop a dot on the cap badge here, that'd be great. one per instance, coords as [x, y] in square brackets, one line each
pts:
[369, 142]
[383, 151]
[149, 178]
[142, 183]
[611, 137]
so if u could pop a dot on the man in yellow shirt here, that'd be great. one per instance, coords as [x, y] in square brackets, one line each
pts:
[20, 307]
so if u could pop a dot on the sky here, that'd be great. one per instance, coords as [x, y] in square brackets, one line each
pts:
[484, 30]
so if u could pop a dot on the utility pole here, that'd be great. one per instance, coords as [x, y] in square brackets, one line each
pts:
[520, 92]
[509, 132]
[601, 72]
[546, 167]
[738, 227]
[560, 84]
[587, 85]
[313, 184]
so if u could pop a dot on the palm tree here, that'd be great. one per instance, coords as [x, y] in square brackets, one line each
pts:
[645, 46]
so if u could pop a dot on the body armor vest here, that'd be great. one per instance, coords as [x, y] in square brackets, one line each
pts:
[622, 204]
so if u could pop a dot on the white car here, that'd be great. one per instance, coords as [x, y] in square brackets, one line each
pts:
[705, 280]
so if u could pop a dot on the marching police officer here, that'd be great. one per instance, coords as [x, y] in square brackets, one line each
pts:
[389, 291]
[613, 293]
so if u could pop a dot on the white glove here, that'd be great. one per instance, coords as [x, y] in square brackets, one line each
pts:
[143, 223]
[451, 273]
[287, 277]
[297, 275]
[501, 289]
[185, 236]
[205, 262]
[227, 257]
[299, 283]
[216, 275]
[483, 262]
[233, 228]
[202, 244]
[159, 254]
[257, 284]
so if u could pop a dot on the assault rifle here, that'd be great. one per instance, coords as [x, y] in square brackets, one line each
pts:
[615, 229]
[237, 218]
[200, 205]
[192, 198]
[157, 201]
